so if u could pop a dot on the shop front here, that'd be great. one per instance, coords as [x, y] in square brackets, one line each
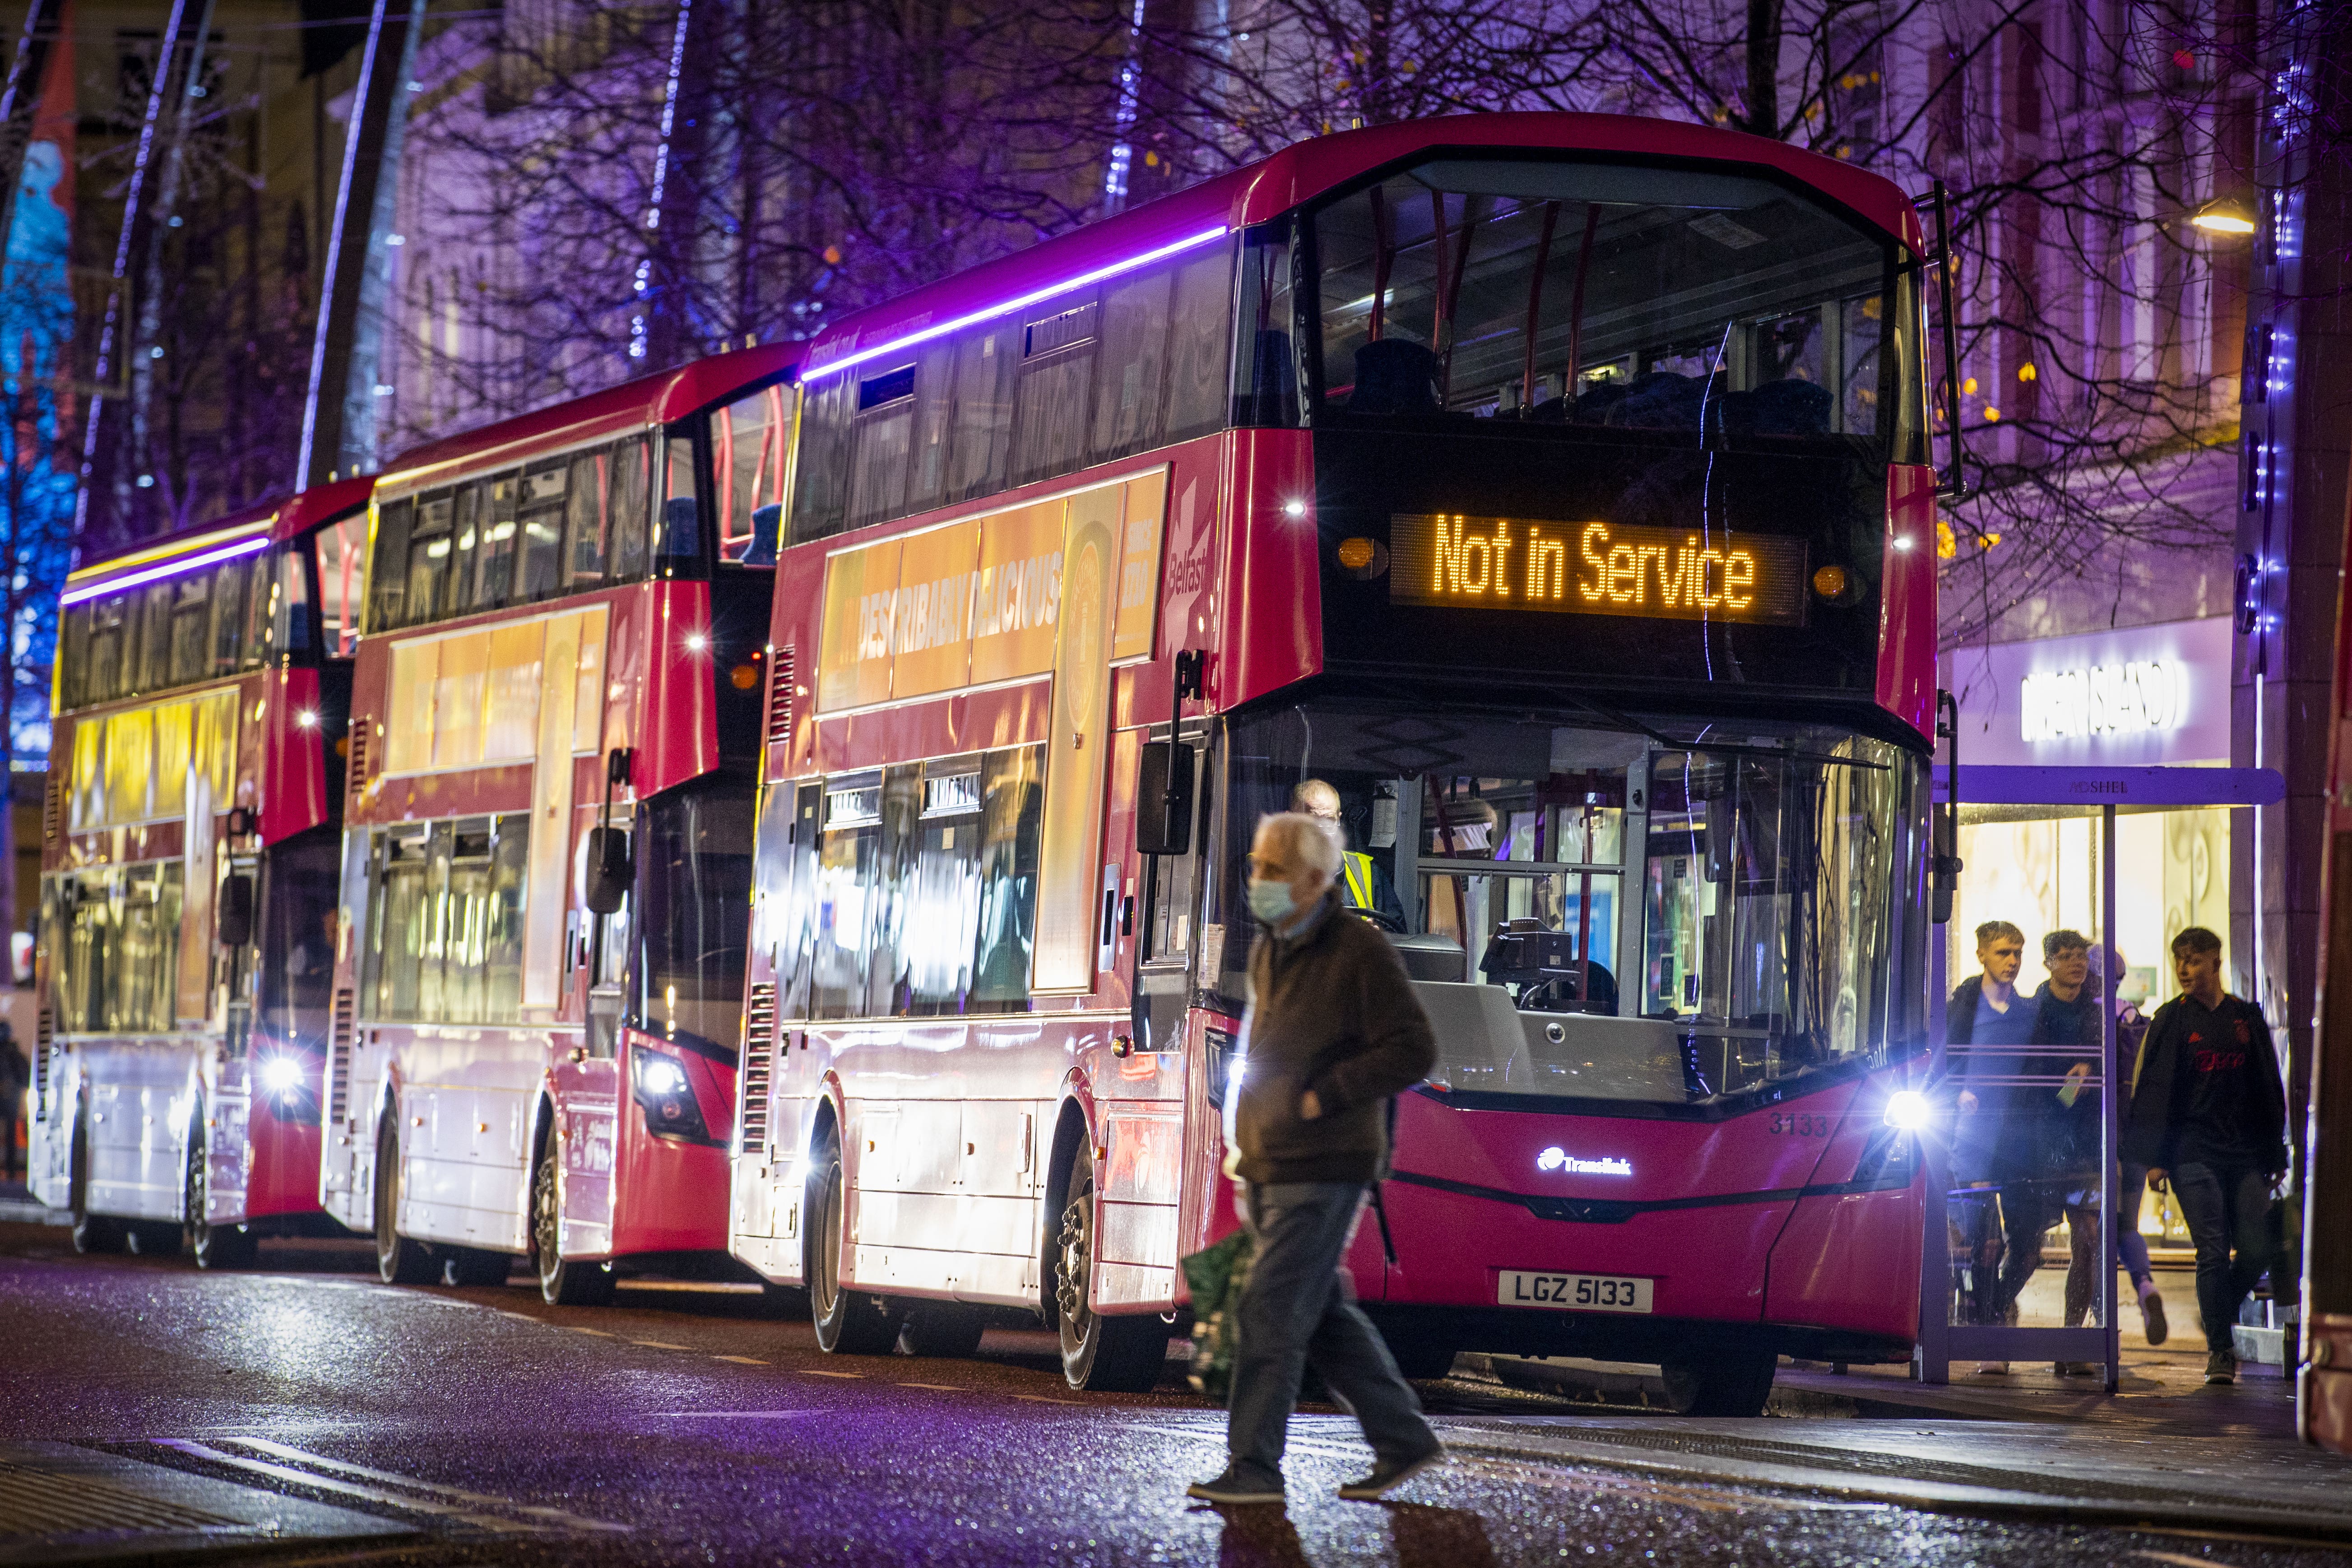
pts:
[2036, 862]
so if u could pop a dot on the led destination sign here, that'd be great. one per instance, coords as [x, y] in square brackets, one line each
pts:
[1595, 569]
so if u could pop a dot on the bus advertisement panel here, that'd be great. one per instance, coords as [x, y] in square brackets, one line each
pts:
[189, 853]
[1543, 498]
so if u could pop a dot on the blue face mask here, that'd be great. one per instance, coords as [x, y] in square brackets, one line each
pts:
[1271, 901]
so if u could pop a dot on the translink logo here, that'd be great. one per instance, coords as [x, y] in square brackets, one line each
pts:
[1557, 1159]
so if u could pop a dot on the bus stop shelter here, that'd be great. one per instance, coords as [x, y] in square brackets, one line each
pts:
[1985, 1189]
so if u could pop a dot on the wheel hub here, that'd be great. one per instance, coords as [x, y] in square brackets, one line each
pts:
[1070, 1285]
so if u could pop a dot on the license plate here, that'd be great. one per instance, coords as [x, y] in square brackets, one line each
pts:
[1575, 1292]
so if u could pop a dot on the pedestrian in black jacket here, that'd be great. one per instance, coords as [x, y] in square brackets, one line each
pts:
[2209, 1117]
[1997, 1143]
[1332, 1034]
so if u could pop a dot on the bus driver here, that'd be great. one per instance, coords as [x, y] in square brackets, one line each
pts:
[1364, 883]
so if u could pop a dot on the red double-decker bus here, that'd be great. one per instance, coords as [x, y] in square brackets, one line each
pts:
[1547, 495]
[547, 863]
[189, 855]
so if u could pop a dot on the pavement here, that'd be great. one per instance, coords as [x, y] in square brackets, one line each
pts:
[687, 1425]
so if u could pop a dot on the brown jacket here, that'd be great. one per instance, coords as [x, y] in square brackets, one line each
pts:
[1330, 1010]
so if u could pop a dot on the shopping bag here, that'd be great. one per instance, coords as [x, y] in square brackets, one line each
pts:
[1216, 1275]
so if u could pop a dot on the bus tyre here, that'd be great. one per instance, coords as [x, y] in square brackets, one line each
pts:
[848, 1322]
[214, 1246]
[562, 1282]
[942, 1328]
[91, 1232]
[398, 1260]
[1105, 1355]
[1728, 1380]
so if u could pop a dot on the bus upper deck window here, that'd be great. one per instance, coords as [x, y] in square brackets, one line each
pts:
[1720, 303]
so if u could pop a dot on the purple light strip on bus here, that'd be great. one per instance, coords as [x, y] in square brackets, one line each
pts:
[1004, 307]
[168, 569]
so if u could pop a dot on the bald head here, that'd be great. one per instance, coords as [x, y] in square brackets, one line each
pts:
[1315, 797]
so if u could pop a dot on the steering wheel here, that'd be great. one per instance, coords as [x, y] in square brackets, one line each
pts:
[1392, 924]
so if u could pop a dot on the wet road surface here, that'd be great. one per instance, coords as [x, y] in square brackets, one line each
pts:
[687, 1426]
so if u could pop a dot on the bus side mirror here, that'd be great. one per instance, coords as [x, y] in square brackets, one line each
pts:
[1943, 866]
[610, 869]
[1164, 799]
[235, 926]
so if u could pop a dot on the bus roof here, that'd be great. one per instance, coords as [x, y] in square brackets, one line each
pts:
[649, 400]
[239, 532]
[1298, 174]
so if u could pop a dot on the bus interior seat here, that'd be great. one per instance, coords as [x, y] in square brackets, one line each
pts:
[1659, 400]
[1594, 1058]
[766, 524]
[1394, 375]
[1789, 407]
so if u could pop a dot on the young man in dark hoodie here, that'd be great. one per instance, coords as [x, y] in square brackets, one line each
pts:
[1332, 1033]
[2209, 1115]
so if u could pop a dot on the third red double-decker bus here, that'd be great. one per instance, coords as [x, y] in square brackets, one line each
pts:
[1545, 495]
[547, 858]
[189, 852]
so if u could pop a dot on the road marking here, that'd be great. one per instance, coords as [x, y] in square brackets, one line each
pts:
[726, 1415]
[435, 1489]
[943, 1388]
[600, 1333]
[1042, 1399]
[814, 1371]
[526, 1316]
[660, 1346]
[344, 1489]
[741, 1360]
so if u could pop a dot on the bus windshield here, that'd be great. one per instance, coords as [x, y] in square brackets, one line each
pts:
[1675, 912]
[1597, 294]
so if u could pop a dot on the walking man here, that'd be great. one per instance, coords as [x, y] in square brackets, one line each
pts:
[1332, 1033]
[2209, 1116]
[1997, 1144]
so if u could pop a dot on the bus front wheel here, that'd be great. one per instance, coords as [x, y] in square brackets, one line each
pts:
[848, 1322]
[398, 1260]
[562, 1282]
[1726, 1379]
[1124, 1354]
[214, 1246]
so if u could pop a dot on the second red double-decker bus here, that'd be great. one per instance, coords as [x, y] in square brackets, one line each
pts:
[1545, 496]
[189, 855]
[547, 863]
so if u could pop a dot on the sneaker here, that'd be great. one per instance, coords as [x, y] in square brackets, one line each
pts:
[1992, 1369]
[2221, 1367]
[2151, 1315]
[1237, 1485]
[1388, 1475]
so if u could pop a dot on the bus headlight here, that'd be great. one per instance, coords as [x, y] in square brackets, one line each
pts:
[281, 1076]
[666, 1095]
[1907, 1110]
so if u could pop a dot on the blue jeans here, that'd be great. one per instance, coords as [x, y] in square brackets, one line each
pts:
[1299, 1306]
[2224, 1208]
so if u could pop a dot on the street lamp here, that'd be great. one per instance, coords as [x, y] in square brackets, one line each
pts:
[2223, 215]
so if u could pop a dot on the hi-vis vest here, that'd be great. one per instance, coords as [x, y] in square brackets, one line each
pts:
[1358, 869]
